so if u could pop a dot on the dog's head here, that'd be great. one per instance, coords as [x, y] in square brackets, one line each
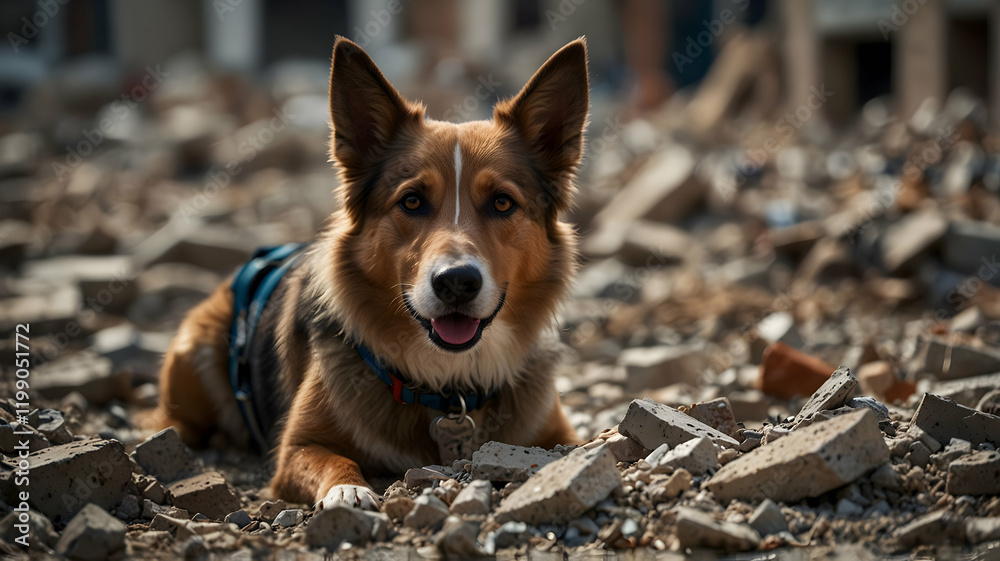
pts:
[450, 257]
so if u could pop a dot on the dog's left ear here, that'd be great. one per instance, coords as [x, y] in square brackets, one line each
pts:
[550, 113]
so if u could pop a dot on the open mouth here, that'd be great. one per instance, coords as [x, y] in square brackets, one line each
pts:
[456, 331]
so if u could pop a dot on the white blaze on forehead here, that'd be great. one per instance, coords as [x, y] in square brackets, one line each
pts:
[458, 177]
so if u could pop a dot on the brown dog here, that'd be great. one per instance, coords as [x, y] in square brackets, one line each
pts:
[444, 266]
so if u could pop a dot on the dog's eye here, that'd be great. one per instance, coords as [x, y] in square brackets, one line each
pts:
[503, 204]
[411, 203]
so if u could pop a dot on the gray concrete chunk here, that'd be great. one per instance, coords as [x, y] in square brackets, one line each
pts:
[697, 455]
[64, 478]
[652, 424]
[92, 534]
[976, 474]
[474, 499]
[832, 453]
[207, 493]
[564, 489]
[496, 461]
[944, 420]
[166, 457]
[699, 529]
[834, 393]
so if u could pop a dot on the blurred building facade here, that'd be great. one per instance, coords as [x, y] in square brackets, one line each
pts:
[912, 49]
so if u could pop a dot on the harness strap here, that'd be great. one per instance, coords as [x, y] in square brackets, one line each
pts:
[252, 287]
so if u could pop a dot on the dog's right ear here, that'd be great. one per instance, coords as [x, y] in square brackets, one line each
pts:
[366, 111]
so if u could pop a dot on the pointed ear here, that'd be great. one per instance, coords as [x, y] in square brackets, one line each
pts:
[550, 112]
[366, 111]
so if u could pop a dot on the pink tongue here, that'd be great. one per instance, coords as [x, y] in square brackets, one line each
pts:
[456, 329]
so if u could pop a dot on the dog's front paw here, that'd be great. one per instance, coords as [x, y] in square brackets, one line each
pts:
[351, 495]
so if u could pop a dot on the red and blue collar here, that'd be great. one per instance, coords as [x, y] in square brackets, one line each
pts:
[408, 396]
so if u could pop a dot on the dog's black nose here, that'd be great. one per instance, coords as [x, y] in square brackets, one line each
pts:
[457, 285]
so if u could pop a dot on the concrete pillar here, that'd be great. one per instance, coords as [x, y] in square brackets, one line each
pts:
[801, 51]
[233, 37]
[153, 31]
[920, 54]
[481, 30]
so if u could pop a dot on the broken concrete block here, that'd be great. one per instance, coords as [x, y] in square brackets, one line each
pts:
[646, 239]
[564, 489]
[52, 425]
[207, 493]
[166, 457]
[980, 530]
[679, 482]
[474, 499]
[777, 327]
[652, 424]
[934, 528]
[833, 453]
[289, 517]
[218, 248]
[663, 190]
[397, 507]
[496, 461]
[951, 361]
[84, 372]
[943, 420]
[786, 372]
[768, 519]
[428, 511]
[832, 394]
[716, 413]
[699, 529]
[975, 474]
[970, 247]
[92, 534]
[132, 350]
[458, 539]
[107, 281]
[911, 239]
[655, 367]
[66, 477]
[625, 449]
[749, 405]
[697, 456]
[329, 528]
[52, 312]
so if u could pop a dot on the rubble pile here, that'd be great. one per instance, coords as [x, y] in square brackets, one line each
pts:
[774, 341]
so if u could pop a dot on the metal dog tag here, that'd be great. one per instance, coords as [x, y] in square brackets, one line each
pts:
[453, 434]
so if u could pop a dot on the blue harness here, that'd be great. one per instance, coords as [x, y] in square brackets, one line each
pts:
[252, 288]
